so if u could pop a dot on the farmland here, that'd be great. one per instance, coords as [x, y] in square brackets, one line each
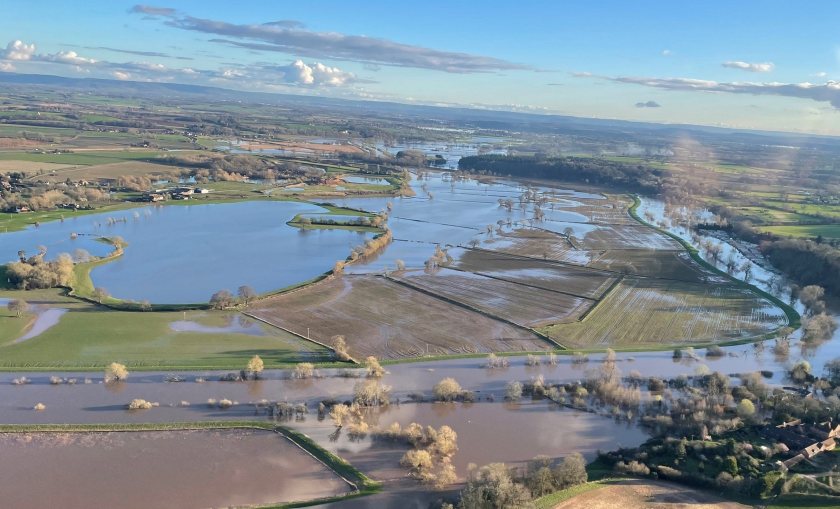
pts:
[382, 318]
[88, 336]
[513, 302]
[647, 312]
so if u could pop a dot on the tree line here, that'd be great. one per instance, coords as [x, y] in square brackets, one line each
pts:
[589, 170]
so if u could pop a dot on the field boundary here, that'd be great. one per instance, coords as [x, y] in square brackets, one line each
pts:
[793, 317]
[475, 310]
[360, 483]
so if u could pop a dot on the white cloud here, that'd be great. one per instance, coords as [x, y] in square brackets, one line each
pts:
[828, 92]
[582, 74]
[667, 53]
[19, 50]
[120, 75]
[749, 66]
[821, 74]
[67, 57]
[317, 74]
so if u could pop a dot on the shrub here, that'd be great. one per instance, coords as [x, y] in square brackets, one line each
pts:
[374, 369]
[447, 389]
[513, 390]
[255, 366]
[139, 404]
[304, 370]
[115, 372]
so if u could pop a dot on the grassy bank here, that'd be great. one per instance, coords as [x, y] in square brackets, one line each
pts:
[794, 319]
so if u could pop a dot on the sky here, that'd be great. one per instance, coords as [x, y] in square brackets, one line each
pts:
[770, 65]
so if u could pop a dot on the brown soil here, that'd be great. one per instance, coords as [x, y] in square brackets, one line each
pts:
[385, 319]
[639, 494]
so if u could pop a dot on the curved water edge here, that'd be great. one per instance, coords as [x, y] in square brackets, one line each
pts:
[222, 246]
[45, 317]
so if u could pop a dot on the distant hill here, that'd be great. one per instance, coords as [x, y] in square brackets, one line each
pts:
[487, 119]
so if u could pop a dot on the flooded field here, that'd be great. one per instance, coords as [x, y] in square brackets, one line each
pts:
[184, 254]
[159, 469]
[383, 318]
[541, 428]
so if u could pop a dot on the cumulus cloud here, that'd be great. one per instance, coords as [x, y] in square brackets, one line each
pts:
[648, 104]
[290, 38]
[67, 57]
[828, 92]
[19, 50]
[6, 67]
[121, 75]
[667, 53]
[316, 74]
[749, 66]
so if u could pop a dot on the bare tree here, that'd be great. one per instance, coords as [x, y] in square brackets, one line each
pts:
[18, 307]
[246, 294]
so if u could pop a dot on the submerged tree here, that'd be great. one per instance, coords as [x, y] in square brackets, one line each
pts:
[18, 307]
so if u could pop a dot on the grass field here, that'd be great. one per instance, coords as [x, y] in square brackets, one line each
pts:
[88, 336]
[382, 318]
[108, 171]
[828, 231]
[639, 312]
[81, 157]
[13, 222]
[524, 305]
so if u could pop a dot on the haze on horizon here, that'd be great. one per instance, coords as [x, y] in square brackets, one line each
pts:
[755, 65]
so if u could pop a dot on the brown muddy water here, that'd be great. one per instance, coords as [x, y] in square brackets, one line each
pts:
[487, 432]
[159, 469]
[97, 402]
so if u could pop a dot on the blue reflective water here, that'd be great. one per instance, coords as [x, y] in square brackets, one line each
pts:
[182, 254]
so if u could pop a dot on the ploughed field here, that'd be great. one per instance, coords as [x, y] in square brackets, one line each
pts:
[389, 320]
[184, 469]
[588, 275]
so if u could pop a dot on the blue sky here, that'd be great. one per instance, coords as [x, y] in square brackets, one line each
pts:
[764, 65]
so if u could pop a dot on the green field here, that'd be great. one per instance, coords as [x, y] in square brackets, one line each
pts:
[83, 157]
[827, 231]
[89, 336]
[641, 311]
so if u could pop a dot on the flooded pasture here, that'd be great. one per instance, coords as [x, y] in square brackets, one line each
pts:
[185, 253]
[159, 469]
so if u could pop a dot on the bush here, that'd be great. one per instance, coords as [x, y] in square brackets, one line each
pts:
[115, 372]
[447, 389]
[513, 390]
[304, 370]
[140, 404]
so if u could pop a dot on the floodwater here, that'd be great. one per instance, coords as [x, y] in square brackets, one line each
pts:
[97, 402]
[160, 469]
[45, 317]
[355, 179]
[184, 254]
[236, 325]
[486, 432]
